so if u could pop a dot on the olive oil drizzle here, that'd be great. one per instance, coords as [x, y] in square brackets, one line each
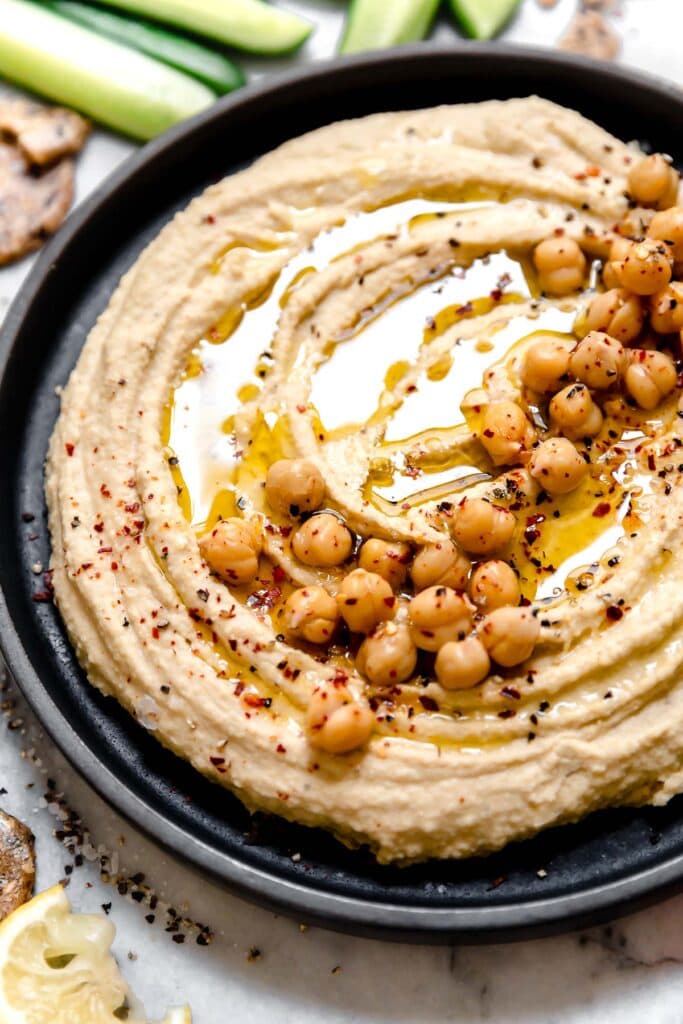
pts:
[419, 387]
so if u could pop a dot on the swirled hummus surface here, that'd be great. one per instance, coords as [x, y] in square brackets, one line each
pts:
[361, 303]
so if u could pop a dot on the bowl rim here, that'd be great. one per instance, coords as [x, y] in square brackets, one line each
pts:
[375, 918]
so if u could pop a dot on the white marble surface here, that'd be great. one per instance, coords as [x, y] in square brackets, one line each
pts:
[632, 972]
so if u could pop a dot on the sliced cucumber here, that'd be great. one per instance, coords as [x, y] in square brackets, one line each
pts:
[375, 24]
[112, 83]
[248, 24]
[209, 66]
[483, 19]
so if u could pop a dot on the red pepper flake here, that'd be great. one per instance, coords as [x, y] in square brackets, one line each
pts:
[265, 598]
[41, 596]
[239, 688]
[279, 574]
[134, 507]
[114, 566]
[651, 464]
[98, 527]
[69, 449]
[507, 713]
[104, 491]
[219, 764]
[428, 703]
[280, 749]
[301, 408]
[104, 551]
[209, 219]
[252, 701]
[614, 612]
[511, 691]
[603, 508]
[498, 882]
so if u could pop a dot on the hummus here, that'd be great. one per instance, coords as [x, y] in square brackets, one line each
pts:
[361, 299]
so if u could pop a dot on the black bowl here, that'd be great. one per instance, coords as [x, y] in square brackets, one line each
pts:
[611, 862]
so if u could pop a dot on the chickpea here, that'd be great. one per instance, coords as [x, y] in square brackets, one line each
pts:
[598, 361]
[619, 250]
[546, 364]
[635, 222]
[364, 600]
[617, 313]
[494, 584]
[521, 483]
[232, 549]
[440, 563]
[388, 655]
[574, 413]
[437, 615]
[557, 466]
[509, 635]
[646, 268]
[389, 560]
[666, 309]
[311, 614]
[667, 226]
[650, 377]
[461, 664]
[294, 486]
[336, 721]
[653, 182]
[482, 528]
[560, 264]
[323, 540]
[506, 432]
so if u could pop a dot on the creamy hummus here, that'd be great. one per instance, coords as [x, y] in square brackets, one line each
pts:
[357, 298]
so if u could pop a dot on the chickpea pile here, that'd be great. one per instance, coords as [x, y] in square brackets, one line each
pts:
[392, 603]
[627, 337]
[453, 610]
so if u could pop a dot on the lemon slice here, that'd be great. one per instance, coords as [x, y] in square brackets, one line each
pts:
[56, 968]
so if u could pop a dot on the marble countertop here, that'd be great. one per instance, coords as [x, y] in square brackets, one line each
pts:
[182, 938]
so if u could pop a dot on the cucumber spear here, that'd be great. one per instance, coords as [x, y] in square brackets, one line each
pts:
[209, 66]
[375, 24]
[112, 83]
[483, 19]
[247, 24]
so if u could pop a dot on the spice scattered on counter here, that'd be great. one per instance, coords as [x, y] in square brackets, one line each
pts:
[74, 835]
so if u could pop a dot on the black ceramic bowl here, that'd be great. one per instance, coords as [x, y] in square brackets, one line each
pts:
[611, 862]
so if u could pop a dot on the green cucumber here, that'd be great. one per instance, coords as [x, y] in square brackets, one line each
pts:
[112, 83]
[483, 19]
[209, 66]
[248, 24]
[375, 24]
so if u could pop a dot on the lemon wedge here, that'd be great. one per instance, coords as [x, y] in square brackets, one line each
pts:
[57, 968]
